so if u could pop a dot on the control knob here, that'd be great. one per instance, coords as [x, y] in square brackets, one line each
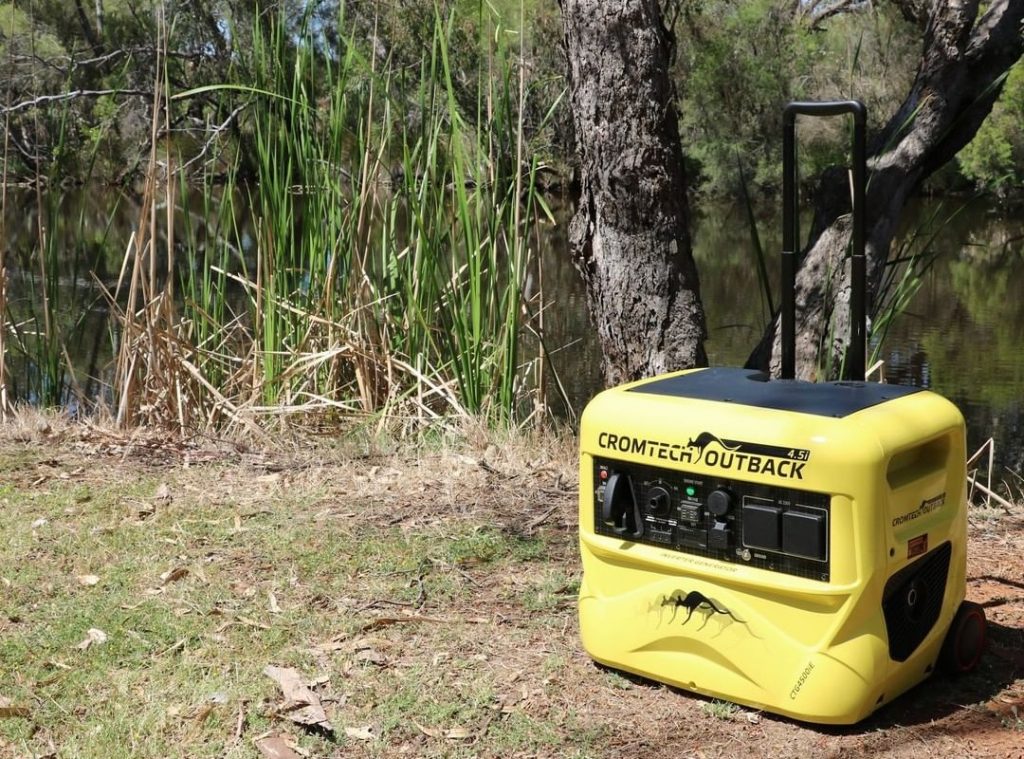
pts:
[720, 502]
[659, 501]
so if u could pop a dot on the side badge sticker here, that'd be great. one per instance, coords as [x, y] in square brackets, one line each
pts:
[916, 546]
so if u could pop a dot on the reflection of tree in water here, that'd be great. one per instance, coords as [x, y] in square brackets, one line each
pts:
[908, 367]
[962, 335]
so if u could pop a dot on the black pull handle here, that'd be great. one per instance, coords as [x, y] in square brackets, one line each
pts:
[619, 510]
[791, 231]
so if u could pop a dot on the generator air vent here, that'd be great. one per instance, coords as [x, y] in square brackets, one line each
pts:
[912, 601]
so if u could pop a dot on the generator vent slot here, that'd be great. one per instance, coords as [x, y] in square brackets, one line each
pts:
[912, 601]
[911, 465]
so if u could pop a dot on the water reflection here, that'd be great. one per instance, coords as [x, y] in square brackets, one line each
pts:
[962, 334]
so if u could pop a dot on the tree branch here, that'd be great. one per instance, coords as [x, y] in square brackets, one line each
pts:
[963, 65]
[72, 95]
[818, 11]
[844, 6]
[217, 130]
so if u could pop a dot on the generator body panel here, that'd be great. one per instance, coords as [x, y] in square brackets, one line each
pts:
[793, 546]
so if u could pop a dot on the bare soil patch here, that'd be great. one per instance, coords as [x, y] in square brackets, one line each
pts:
[427, 597]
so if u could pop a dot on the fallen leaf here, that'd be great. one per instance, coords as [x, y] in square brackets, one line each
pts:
[274, 747]
[361, 733]
[163, 492]
[301, 704]
[329, 647]
[87, 580]
[173, 575]
[252, 623]
[274, 608]
[203, 712]
[10, 710]
[41, 522]
[455, 734]
[143, 510]
[92, 636]
[371, 656]
[753, 718]
[432, 732]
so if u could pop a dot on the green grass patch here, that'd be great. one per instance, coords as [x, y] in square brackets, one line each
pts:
[196, 580]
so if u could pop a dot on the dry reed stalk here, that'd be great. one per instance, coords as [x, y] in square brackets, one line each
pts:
[152, 381]
[4, 403]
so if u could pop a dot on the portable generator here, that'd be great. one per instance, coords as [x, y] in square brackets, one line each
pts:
[793, 546]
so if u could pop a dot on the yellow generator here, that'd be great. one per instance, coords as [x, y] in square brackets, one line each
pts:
[792, 546]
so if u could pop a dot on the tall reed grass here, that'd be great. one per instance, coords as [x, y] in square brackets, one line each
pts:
[384, 275]
[47, 303]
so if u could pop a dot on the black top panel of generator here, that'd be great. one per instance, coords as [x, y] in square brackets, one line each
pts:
[748, 387]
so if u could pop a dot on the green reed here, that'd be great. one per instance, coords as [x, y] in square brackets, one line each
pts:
[50, 298]
[390, 232]
[357, 242]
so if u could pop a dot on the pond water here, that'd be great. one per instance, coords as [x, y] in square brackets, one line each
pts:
[961, 334]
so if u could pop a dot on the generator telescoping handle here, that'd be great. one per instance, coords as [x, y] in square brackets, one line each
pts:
[791, 231]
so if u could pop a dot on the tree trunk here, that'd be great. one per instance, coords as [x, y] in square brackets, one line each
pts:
[960, 76]
[630, 235]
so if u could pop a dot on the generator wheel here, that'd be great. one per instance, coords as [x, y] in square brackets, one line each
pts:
[965, 640]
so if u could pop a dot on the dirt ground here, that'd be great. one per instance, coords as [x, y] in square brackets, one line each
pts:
[511, 625]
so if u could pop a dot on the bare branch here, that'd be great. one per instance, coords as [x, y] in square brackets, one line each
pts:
[217, 130]
[825, 12]
[113, 55]
[21, 146]
[72, 95]
[817, 12]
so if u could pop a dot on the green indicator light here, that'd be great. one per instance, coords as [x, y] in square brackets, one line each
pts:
[691, 491]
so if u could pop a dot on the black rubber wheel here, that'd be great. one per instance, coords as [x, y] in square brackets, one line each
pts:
[965, 640]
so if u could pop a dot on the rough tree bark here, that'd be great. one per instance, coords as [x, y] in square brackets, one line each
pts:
[959, 78]
[630, 235]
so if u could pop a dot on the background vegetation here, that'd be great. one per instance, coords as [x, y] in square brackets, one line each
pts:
[337, 205]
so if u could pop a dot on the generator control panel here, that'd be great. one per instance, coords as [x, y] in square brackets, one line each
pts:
[778, 529]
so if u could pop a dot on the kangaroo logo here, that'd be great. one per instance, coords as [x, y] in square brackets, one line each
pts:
[695, 600]
[704, 439]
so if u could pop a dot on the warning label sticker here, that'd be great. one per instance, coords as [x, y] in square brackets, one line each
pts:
[917, 546]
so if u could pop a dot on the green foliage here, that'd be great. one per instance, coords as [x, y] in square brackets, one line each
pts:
[376, 262]
[211, 42]
[18, 35]
[737, 64]
[390, 239]
[994, 159]
[721, 710]
[739, 61]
